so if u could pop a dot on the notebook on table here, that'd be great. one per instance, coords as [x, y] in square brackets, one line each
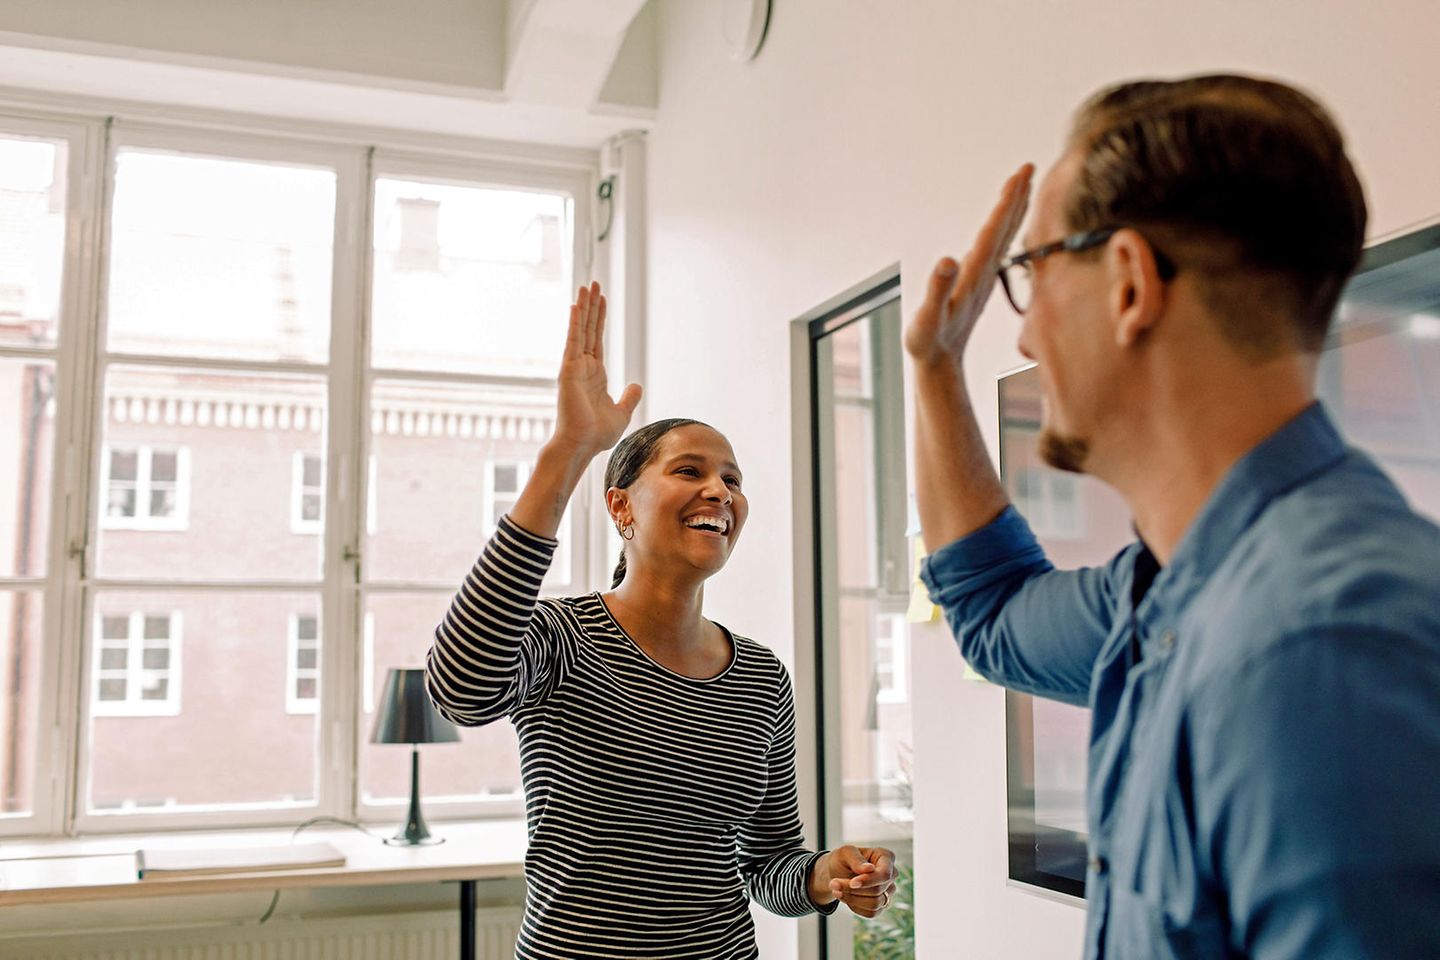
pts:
[199, 862]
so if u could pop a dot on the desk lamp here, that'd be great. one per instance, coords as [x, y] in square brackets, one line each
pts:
[407, 716]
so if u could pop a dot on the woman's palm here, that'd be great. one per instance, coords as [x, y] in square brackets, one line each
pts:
[586, 415]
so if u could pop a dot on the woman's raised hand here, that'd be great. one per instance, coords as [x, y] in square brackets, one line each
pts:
[587, 419]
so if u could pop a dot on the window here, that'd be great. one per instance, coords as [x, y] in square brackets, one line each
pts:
[852, 412]
[137, 665]
[233, 426]
[307, 499]
[504, 481]
[302, 676]
[146, 488]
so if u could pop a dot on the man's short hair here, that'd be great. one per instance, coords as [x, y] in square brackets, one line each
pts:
[1245, 180]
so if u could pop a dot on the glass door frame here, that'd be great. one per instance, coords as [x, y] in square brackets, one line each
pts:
[817, 677]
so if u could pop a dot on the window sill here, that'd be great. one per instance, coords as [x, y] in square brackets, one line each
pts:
[103, 868]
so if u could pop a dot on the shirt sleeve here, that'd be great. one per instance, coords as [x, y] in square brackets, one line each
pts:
[1020, 622]
[499, 648]
[1318, 792]
[774, 862]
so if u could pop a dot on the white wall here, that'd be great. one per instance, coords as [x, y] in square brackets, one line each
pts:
[867, 133]
[452, 42]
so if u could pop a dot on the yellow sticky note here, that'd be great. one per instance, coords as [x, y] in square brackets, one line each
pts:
[921, 610]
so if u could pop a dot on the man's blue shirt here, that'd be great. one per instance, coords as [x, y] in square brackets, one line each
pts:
[1264, 768]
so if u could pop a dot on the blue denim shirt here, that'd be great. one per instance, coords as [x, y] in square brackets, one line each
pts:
[1264, 764]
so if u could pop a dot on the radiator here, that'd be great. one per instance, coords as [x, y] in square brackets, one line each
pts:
[410, 936]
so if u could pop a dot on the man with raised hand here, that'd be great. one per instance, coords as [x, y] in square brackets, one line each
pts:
[1263, 664]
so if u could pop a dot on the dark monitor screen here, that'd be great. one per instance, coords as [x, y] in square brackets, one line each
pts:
[1379, 379]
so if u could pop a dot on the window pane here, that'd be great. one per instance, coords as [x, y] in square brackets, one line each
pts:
[432, 445]
[220, 258]
[486, 761]
[306, 688]
[162, 466]
[124, 466]
[307, 658]
[27, 440]
[311, 470]
[507, 478]
[22, 618]
[32, 239]
[307, 628]
[115, 628]
[214, 715]
[114, 658]
[156, 658]
[112, 689]
[234, 437]
[471, 279]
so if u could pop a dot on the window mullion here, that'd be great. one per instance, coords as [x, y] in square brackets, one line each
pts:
[344, 492]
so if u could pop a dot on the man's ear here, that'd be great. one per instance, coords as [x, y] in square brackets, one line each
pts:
[1137, 294]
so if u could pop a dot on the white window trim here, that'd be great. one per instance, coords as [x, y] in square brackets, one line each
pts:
[367, 664]
[59, 806]
[144, 456]
[293, 672]
[298, 522]
[133, 705]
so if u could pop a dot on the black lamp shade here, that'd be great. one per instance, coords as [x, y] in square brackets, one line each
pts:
[406, 714]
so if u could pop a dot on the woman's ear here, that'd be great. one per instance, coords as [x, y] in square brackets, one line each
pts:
[617, 502]
[1137, 294]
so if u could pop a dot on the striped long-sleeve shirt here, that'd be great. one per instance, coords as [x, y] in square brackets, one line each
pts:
[655, 802]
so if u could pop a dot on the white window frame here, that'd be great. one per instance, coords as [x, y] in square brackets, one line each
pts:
[94, 131]
[294, 673]
[298, 521]
[144, 484]
[134, 674]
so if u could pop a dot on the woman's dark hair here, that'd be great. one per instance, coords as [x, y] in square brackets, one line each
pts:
[632, 455]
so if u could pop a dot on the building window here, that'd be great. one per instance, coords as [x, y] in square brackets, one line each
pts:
[146, 488]
[307, 494]
[503, 483]
[302, 661]
[891, 654]
[137, 665]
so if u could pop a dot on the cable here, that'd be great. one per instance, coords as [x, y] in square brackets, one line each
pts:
[275, 899]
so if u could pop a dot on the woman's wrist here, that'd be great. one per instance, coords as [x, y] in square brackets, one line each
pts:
[818, 883]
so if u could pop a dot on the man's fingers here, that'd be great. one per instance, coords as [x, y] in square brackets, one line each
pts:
[994, 237]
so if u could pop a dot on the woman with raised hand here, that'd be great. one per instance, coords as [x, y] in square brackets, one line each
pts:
[657, 747]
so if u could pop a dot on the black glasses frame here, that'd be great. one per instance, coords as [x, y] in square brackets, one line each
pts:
[1075, 243]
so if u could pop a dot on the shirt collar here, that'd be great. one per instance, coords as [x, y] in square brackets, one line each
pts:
[1297, 451]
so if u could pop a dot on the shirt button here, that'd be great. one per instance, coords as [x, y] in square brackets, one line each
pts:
[1097, 864]
[1167, 640]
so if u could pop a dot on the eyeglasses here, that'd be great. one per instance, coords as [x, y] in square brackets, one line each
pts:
[1017, 273]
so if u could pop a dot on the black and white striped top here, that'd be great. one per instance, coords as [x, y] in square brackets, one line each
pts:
[655, 802]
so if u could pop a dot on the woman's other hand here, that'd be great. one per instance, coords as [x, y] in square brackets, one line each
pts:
[862, 878]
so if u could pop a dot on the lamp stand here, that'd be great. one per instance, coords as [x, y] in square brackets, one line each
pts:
[414, 833]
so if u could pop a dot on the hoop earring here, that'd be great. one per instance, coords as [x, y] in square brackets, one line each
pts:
[626, 532]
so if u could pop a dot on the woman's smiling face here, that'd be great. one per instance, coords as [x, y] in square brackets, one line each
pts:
[687, 506]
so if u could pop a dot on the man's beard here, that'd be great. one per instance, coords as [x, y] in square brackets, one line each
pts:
[1062, 452]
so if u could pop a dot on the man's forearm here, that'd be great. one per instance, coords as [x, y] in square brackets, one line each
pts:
[957, 490]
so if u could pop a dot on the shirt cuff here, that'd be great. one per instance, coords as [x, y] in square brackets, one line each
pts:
[525, 536]
[972, 562]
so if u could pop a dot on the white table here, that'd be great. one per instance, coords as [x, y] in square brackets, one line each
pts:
[103, 868]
